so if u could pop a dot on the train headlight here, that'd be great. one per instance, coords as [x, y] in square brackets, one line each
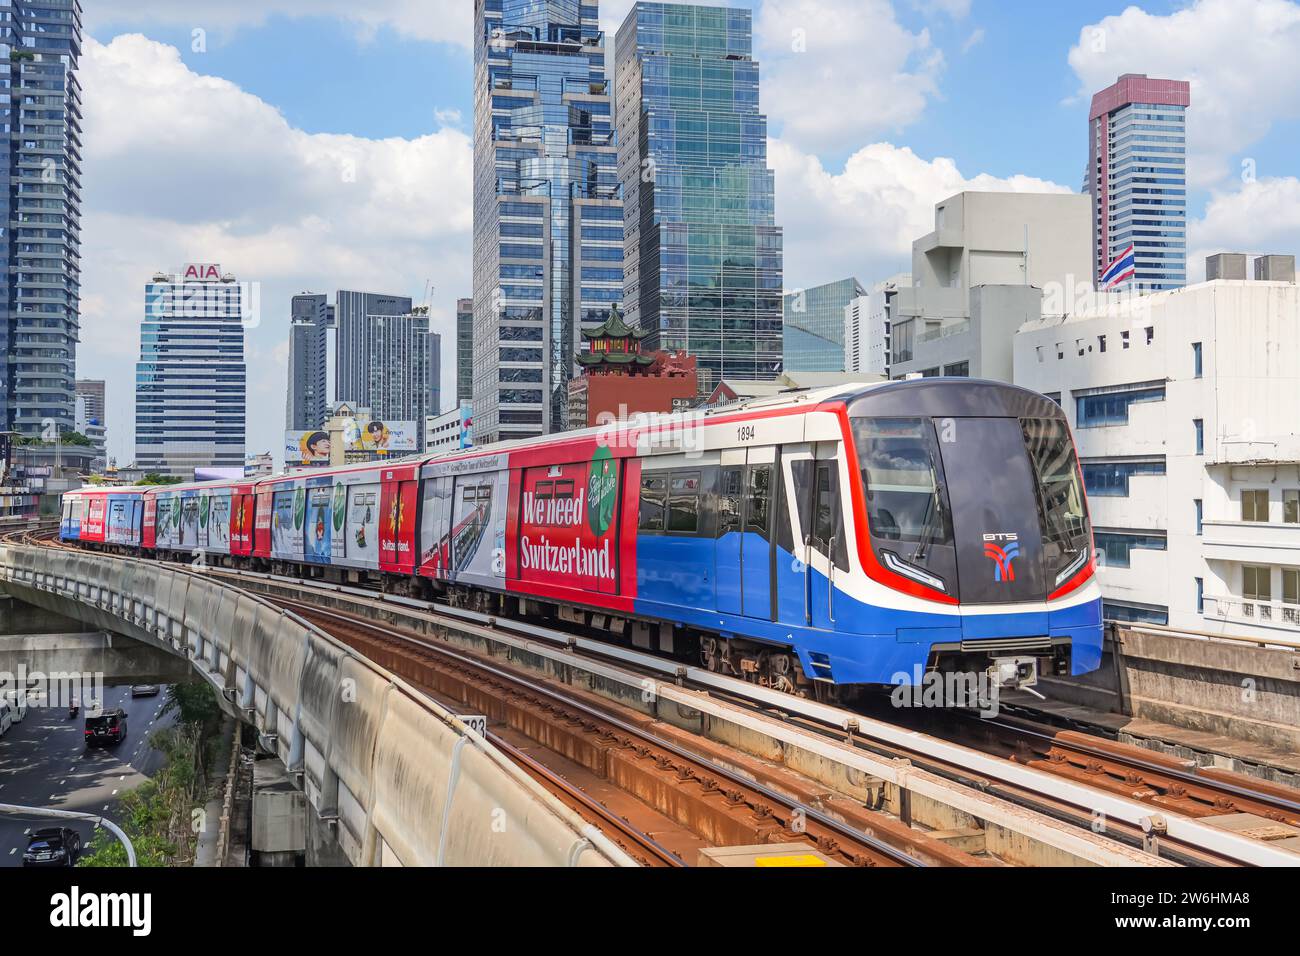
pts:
[899, 566]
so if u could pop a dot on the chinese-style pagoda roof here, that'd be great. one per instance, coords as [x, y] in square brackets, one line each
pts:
[613, 358]
[614, 328]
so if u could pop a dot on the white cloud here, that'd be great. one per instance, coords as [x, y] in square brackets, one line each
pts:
[440, 21]
[1241, 60]
[835, 72]
[1261, 217]
[975, 39]
[184, 167]
[862, 221]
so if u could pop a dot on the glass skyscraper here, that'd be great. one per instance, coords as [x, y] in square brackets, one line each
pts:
[306, 401]
[1137, 175]
[814, 326]
[703, 259]
[191, 380]
[548, 220]
[40, 43]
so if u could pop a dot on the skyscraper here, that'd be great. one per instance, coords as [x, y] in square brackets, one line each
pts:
[353, 365]
[464, 350]
[548, 237]
[813, 339]
[703, 264]
[40, 44]
[310, 318]
[190, 388]
[92, 391]
[1137, 176]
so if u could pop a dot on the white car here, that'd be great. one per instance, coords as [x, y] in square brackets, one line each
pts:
[6, 717]
[17, 706]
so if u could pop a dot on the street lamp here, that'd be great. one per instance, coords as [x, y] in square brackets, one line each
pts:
[74, 815]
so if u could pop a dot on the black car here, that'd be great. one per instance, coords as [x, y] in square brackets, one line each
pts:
[53, 846]
[106, 727]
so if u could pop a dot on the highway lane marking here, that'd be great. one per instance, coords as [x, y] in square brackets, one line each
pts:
[13, 851]
[113, 794]
[27, 831]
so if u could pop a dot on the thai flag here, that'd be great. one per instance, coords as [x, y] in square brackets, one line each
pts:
[1124, 267]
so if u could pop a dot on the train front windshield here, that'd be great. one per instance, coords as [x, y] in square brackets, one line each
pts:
[988, 510]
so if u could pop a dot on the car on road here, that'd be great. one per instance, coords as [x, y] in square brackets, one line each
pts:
[105, 727]
[144, 690]
[6, 717]
[17, 705]
[53, 846]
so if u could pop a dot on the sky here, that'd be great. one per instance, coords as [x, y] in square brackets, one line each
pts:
[317, 145]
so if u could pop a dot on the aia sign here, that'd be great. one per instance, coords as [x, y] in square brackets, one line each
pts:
[202, 272]
[1002, 554]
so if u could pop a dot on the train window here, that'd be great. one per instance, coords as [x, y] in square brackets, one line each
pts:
[729, 501]
[564, 489]
[758, 499]
[901, 479]
[654, 492]
[1065, 523]
[544, 490]
[684, 502]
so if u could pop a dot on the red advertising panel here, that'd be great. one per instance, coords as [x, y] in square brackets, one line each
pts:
[397, 526]
[92, 526]
[149, 530]
[241, 522]
[567, 529]
[262, 522]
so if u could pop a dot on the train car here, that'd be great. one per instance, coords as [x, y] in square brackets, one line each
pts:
[103, 516]
[357, 519]
[865, 535]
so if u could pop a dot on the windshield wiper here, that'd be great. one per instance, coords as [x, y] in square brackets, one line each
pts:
[929, 530]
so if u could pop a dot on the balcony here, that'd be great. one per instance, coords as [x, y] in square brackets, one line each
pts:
[1264, 614]
[1250, 542]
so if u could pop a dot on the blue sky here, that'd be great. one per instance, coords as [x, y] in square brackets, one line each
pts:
[233, 153]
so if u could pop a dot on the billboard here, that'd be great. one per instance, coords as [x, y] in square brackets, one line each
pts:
[362, 440]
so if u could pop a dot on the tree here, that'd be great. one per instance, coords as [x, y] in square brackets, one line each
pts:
[153, 478]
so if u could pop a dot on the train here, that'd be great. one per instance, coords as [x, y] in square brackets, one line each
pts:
[845, 537]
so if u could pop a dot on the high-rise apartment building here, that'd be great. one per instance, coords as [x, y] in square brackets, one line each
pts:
[548, 237]
[464, 350]
[703, 262]
[354, 365]
[41, 245]
[306, 402]
[813, 330]
[1137, 177]
[868, 326]
[190, 391]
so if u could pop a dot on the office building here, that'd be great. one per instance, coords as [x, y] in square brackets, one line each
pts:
[190, 390]
[41, 239]
[1183, 405]
[451, 430]
[355, 367]
[994, 261]
[1137, 178]
[391, 358]
[548, 236]
[868, 321]
[703, 265]
[434, 406]
[813, 328]
[310, 319]
[464, 350]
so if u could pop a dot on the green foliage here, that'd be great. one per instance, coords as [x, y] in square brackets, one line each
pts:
[153, 478]
[194, 702]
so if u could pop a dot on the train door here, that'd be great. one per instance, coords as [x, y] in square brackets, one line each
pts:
[745, 554]
[827, 549]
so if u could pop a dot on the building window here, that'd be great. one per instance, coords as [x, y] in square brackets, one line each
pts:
[1291, 505]
[1115, 546]
[1291, 586]
[1254, 504]
[1111, 478]
[1124, 338]
[1101, 343]
[1196, 359]
[1200, 514]
[1135, 613]
[1200, 595]
[1256, 582]
[957, 370]
[1151, 334]
[1199, 425]
[1112, 408]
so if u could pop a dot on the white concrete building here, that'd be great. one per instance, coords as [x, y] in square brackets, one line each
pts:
[450, 430]
[1186, 410]
[982, 240]
[867, 323]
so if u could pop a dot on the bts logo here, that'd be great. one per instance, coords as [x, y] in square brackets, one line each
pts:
[1002, 554]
